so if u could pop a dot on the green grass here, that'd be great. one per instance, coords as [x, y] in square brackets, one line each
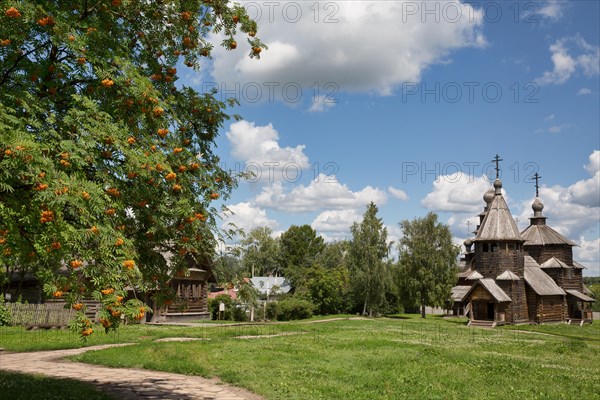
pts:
[587, 331]
[36, 387]
[383, 359]
[14, 338]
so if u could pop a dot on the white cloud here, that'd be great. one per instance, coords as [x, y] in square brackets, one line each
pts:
[587, 192]
[559, 128]
[463, 225]
[398, 193]
[337, 222]
[588, 254]
[566, 64]
[457, 192]
[366, 46]
[550, 117]
[594, 165]
[584, 92]
[325, 192]
[259, 147]
[572, 210]
[247, 216]
[321, 103]
[552, 9]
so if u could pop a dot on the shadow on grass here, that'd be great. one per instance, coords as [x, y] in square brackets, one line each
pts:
[17, 386]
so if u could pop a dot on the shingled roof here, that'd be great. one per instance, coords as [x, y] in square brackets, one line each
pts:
[577, 265]
[580, 295]
[541, 283]
[541, 235]
[498, 224]
[554, 263]
[459, 293]
[493, 289]
[507, 276]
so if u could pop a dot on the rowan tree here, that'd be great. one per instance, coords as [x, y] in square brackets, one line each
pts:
[108, 175]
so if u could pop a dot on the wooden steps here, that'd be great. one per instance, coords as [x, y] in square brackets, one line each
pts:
[482, 324]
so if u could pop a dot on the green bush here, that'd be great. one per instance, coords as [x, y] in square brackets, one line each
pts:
[272, 310]
[213, 306]
[4, 313]
[234, 311]
[291, 309]
[238, 312]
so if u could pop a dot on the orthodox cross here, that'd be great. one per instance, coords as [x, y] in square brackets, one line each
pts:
[497, 160]
[537, 184]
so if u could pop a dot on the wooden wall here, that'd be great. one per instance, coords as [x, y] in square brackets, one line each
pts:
[491, 264]
[544, 253]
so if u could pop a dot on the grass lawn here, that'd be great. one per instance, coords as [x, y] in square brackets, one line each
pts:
[380, 359]
[587, 331]
[36, 387]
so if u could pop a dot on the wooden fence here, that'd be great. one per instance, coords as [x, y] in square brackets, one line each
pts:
[48, 314]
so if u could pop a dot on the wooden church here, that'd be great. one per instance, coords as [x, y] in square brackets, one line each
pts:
[512, 277]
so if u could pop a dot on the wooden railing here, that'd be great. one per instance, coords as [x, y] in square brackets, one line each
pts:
[39, 314]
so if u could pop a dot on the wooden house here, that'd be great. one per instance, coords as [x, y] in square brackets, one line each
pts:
[190, 289]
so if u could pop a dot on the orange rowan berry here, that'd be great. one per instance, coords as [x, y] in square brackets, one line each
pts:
[12, 13]
[163, 132]
[47, 20]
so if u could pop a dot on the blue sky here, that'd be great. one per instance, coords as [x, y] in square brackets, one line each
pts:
[405, 103]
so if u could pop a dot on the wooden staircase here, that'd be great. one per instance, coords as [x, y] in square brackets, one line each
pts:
[482, 324]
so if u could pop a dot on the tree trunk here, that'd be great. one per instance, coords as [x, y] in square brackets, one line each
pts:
[422, 310]
[365, 307]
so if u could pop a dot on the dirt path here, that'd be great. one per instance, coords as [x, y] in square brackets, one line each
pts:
[122, 383]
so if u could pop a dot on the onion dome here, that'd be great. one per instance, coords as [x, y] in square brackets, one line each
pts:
[489, 196]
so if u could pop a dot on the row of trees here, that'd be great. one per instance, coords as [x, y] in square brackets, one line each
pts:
[356, 275]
